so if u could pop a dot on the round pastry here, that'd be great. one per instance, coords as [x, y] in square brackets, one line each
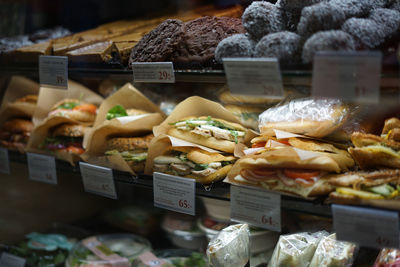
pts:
[295, 6]
[366, 32]
[262, 18]
[357, 8]
[72, 130]
[14, 133]
[320, 17]
[388, 18]
[329, 41]
[159, 44]
[74, 109]
[237, 45]
[286, 46]
[129, 143]
[17, 126]
[395, 5]
[290, 20]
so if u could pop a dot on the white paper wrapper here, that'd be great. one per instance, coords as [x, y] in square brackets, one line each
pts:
[230, 248]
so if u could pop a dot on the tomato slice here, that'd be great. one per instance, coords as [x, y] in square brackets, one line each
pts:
[300, 173]
[259, 144]
[75, 150]
[284, 141]
[86, 108]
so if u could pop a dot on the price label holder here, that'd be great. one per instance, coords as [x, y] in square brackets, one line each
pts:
[350, 76]
[53, 71]
[256, 207]
[365, 226]
[4, 161]
[254, 76]
[153, 72]
[9, 260]
[98, 180]
[42, 168]
[174, 193]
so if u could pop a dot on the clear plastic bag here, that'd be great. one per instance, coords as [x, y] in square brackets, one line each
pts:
[230, 248]
[333, 253]
[296, 250]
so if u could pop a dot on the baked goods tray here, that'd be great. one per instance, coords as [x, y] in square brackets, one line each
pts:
[126, 186]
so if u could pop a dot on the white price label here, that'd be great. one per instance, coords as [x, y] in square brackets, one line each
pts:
[365, 226]
[53, 71]
[4, 161]
[174, 193]
[351, 76]
[42, 168]
[254, 76]
[153, 72]
[256, 207]
[9, 260]
[98, 180]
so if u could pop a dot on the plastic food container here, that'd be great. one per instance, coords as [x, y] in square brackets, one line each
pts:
[178, 258]
[217, 209]
[183, 231]
[260, 240]
[125, 245]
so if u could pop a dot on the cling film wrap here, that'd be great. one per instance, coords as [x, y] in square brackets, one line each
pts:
[333, 253]
[230, 248]
[309, 116]
[295, 250]
[388, 257]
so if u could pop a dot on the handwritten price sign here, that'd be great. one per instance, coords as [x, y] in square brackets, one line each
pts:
[367, 227]
[42, 168]
[98, 180]
[53, 71]
[153, 72]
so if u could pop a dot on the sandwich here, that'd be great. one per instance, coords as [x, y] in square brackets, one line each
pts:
[132, 149]
[30, 99]
[74, 109]
[248, 115]
[119, 111]
[295, 166]
[14, 133]
[356, 187]
[192, 162]
[311, 117]
[210, 132]
[65, 138]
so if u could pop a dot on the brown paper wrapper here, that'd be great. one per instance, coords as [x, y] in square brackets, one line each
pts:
[40, 133]
[50, 96]
[17, 88]
[96, 143]
[197, 106]
[129, 97]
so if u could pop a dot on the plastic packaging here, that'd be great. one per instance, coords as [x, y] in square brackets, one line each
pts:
[388, 257]
[308, 116]
[333, 253]
[174, 258]
[230, 248]
[296, 250]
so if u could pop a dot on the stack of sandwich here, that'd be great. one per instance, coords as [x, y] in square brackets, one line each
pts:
[291, 154]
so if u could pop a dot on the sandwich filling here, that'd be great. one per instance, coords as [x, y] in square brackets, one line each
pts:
[63, 143]
[137, 155]
[209, 127]
[180, 164]
[65, 107]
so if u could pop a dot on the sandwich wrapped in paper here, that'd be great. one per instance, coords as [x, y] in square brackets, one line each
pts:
[248, 115]
[307, 116]
[388, 257]
[174, 156]
[230, 248]
[333, 253]
[296, 166]
[204, 122]
[295, 250]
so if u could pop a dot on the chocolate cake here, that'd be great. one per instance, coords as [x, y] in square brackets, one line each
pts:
[159, 44]
[201, 38]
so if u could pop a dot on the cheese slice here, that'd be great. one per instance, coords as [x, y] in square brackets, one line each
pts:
[358, 193]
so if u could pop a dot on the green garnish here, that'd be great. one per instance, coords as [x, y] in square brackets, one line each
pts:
[235, 135]
[68, 105]
[116, 112]
[200, 167]
[225, 163]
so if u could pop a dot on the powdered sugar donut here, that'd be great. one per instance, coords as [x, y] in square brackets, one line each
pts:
[237, 45]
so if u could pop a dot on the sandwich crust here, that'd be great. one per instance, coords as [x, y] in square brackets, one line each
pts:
[390, 124]
[367, 158]
[32, 99]
[361, 140]
[72, 130]
[216, 176]
[129, 143]
[18, 126]
[356, 179]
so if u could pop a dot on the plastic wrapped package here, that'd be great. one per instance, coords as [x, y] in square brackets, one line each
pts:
[230, 248]
[308, 116]
[333, 253]
[388, 257]
[296, 250]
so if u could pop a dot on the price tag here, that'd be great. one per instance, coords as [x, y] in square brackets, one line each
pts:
[351, 76]
[98, 180]
[256, 207]
[254, 76]
[53, 71]
[174, 193]
[365, 226]
[4, 161]
[42, 168]
[153, 72]
[9, 260]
